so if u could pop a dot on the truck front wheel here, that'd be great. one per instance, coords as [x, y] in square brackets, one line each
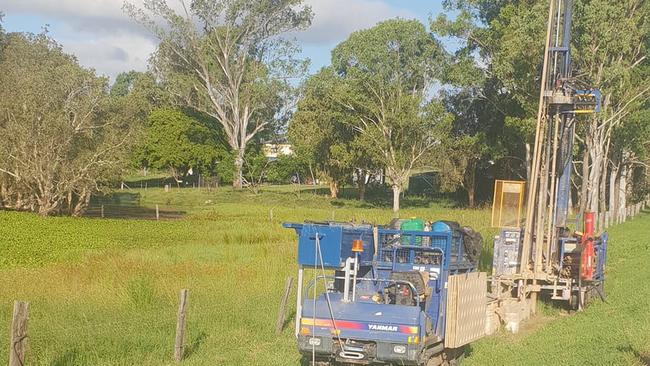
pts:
[448, 357]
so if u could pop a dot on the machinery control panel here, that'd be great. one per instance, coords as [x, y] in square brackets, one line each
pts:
[507, 246]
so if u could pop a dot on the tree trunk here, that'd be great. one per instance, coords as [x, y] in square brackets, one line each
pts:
[584, 189]
[313, 179]
[238, 179]
[594, 177]
[334, 189]
[361, 181]
[602, 205]
[613, 199]
[471, 197]
[528, 162]
[470, 184]
[82, 204]
[45, 207]
[622, 193]
[397, 190]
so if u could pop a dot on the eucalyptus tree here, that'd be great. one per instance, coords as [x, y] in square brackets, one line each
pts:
[388, 72]
[227, 59]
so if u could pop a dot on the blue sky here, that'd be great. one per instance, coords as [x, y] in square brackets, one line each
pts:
[103, 38]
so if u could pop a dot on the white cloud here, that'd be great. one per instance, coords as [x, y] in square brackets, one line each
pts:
[98, 32]
[334, 20]
[104, 38]
[112, 54]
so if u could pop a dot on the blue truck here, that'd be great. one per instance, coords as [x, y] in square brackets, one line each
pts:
[380, 295]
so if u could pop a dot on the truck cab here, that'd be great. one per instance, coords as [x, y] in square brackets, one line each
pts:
[382, 295]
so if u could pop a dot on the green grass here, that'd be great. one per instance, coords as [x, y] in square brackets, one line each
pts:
[105, 292]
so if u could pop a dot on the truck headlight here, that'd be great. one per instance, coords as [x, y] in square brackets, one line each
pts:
[314, 341]
[399, 349]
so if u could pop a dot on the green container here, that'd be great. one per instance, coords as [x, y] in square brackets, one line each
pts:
[413, 224]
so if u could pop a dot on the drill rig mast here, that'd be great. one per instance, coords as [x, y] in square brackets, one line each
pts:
[545, 255]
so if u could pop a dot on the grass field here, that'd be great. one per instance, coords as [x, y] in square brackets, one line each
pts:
[104, 291]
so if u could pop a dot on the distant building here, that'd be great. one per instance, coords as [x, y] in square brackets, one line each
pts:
[273, 151]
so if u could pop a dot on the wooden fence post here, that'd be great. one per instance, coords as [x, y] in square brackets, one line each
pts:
[102, 211]
[179, 343]
[271, 215]
[283, 305]
[157, 213]
[18, 345]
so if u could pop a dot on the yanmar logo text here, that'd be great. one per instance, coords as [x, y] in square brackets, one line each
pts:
[383, 328]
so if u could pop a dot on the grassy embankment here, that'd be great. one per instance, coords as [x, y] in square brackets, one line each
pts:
[104, 292]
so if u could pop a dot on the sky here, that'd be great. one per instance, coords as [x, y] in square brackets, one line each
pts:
[105, 39]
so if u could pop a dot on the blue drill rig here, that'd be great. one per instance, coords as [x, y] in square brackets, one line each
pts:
[388, 296]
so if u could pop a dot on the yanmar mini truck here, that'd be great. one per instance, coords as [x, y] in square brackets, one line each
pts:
[382, 295]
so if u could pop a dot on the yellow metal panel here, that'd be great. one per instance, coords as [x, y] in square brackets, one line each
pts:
[508, 202]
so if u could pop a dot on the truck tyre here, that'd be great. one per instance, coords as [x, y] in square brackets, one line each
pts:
[454, 357]
[306, 361]
[449, 357]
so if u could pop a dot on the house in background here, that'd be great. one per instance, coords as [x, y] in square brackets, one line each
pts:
[272, 150]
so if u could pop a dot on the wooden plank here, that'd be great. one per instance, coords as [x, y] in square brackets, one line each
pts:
[18, 342]
[279, 324]
[466, 308]
[179, 343]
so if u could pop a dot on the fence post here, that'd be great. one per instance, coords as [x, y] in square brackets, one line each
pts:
[271, 215]
[18, 345]
[157, 213]
[179, 345]
[102, 211]
[283, 305]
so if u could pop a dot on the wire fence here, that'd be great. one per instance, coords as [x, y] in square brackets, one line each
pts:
[133, 211]
[82, 331]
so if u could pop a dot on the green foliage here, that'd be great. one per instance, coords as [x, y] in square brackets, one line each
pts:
[62, 137]
[177, 142]
[285, 167]
[123, 83]
[320, 131]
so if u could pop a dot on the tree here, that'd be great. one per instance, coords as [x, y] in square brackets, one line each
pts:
[59, 143]
[612, 42]
[469, 144]
[319, 133]
[387, 72]
[226, 58]
[177, 143]
[123, 83]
